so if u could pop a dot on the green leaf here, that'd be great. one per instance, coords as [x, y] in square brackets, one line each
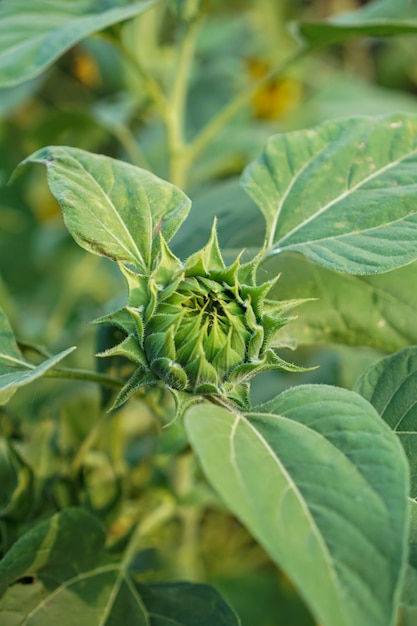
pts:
[343, 194]
[113, 208]
[34, 33]
[376, 311]
[55, 550]
[16, 480]
[10, 355]
[391, 387]
[186, 604]
[382, 18]
[408, 610]
[15, 370]
[322, 483]
[72, 588]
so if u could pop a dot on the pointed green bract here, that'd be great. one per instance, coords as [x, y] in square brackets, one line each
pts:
[322, 483]
[34, 33]
[198, 328]
[342, 194]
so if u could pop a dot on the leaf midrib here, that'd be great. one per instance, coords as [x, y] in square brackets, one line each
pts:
[80, 166]
[293, 486]
[345, 194]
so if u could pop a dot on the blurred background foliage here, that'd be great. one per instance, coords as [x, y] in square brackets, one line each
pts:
[92, 99]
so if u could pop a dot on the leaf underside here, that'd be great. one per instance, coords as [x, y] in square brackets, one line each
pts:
[112, 208]
[35, 34]
[381, 18]
[322, 483]
[391, 387]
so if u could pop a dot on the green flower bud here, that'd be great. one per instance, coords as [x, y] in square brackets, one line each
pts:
[201, 328]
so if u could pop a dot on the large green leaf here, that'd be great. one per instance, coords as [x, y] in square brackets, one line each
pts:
[322, 483]
[377, 311]
[112, 208]
[71, 587]
[408, 610]
[15, 370]
[34, 33]
[382, 18]
[391, 387]
[343, 194]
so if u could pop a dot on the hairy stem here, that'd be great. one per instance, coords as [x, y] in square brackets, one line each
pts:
[86, 376]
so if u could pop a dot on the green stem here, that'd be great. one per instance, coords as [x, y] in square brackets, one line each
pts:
[189, 564]
[151, 85]
[88, 443]
[86, 376]
[213, 128]
[153, 521]
[130, 144]
[174, 119]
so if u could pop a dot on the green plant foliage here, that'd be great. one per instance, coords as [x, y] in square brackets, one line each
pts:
[376, 311]
[15, 370]
[280, 470]
[17, 484]
[390, 386]
[33, 34]
[131, 483]
[332, 193]
[380, 18]
[408, 612]
[43, 551]
[110, 224]
[90, 592]
[185, 604]
[201, 328]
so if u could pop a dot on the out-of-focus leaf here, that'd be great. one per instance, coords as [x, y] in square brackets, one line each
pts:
[66, 545]
[34, 33]
[343, 194]
[344, 94]
[186, 604]
[375, 311]
[112, 208]
[64, 554]
[15, 370]
[321, 481]
[227, 202]
[12, 97]
[381, 18]
[391, 387]
[16, 479]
